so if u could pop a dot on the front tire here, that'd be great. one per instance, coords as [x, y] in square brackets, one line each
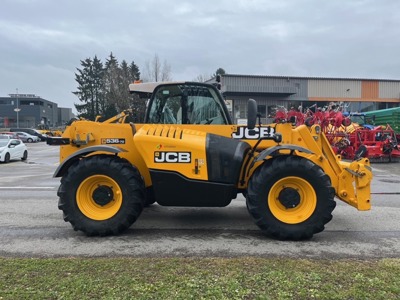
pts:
[7, 158]
[101, 195]
[290, 198]
[25, 155]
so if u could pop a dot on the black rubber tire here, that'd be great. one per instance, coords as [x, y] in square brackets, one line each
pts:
[277, 169]
[7, 158]
[29, 140]
[123, 173]
[25, 155]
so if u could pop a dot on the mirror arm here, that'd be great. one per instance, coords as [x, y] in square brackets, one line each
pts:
[259, 119]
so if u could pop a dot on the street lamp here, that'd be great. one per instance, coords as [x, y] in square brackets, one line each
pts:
[17, 110]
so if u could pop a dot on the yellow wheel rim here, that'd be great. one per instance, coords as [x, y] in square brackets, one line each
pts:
[292, 200]
[99, 197]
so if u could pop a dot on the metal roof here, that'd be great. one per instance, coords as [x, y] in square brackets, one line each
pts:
[149, 87]
[303, 77]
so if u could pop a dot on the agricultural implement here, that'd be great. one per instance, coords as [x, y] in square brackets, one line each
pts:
[349, 139]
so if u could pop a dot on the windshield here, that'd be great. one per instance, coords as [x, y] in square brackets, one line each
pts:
[186, 104]
[359, 119]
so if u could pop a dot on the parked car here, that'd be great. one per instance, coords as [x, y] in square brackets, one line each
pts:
[26, 137]
[12, 149]
[30, 131]
[12, 135]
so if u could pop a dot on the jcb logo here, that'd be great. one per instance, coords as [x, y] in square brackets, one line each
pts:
[172, 157]
[256, 133]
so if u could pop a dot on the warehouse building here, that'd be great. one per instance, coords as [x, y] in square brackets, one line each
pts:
[29, 110]
[270, 92]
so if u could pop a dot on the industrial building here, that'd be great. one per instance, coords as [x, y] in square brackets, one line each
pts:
[29, 110]
[270, 92]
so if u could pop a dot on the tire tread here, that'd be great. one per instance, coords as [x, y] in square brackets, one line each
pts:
[257, 198]
[133, 201]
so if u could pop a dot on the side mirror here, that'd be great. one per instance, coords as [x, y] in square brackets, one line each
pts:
[251, 113]
[218, 84]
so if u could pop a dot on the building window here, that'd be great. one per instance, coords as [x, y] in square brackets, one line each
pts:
[240, 111]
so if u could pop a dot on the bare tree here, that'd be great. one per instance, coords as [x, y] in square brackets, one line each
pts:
[202, 78]
[166, 72]
[155, 71]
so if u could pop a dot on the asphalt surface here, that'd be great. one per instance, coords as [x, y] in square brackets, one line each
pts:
[32, 226]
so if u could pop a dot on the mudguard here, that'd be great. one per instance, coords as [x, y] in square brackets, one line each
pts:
[271, 150]
[78, 154]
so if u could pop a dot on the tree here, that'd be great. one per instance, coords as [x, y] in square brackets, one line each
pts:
[166, 72]
[128, 74]
[126, 79]
[155, 71]
[219, 71]
[104, 90]
[112, 80]
[134, 71]
[202, 78]
[90, 88]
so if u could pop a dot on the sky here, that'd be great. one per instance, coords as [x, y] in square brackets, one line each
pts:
[43, 41]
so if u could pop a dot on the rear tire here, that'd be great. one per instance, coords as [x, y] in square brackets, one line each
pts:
[7, 158]
[290, 198]
[101, 195]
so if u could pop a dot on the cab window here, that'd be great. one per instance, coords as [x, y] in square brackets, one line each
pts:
[186, 104]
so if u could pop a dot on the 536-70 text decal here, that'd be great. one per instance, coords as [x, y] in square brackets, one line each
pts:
[113, 141]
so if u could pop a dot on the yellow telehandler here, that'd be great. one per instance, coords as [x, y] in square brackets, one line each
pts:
[187, 152]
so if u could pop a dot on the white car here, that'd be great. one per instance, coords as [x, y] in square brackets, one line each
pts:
[12, 149]
[26, 137]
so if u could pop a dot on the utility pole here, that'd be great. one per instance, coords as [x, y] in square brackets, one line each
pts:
[17, 109]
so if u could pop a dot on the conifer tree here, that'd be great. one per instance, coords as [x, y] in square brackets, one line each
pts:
[112, 80]
[90, 88]
[104, 89]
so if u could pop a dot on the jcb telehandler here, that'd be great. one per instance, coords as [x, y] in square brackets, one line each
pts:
[188, 153]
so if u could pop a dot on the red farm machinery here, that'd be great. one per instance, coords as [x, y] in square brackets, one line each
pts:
[350, 135]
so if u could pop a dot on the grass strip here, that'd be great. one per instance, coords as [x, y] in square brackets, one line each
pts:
[198, 278]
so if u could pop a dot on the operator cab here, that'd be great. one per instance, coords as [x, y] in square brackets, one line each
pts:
[183, 103]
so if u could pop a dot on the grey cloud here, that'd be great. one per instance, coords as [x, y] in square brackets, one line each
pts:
[43, 41]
